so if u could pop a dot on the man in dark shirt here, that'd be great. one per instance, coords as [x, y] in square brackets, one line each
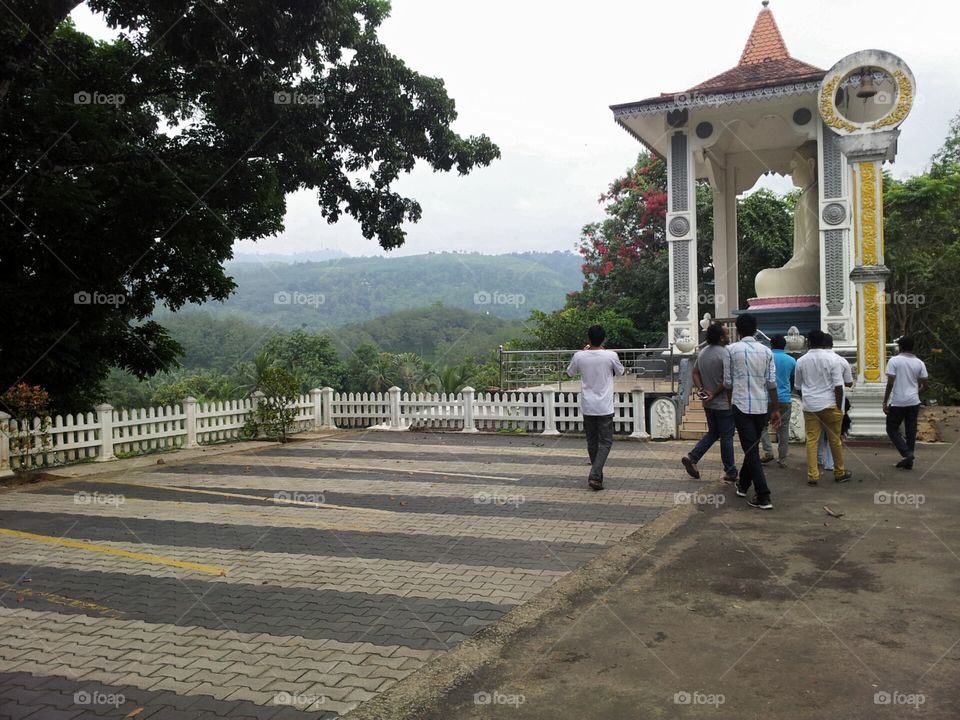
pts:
[708, 374]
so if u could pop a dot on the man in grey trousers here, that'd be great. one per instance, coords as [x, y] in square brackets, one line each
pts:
[597, 368]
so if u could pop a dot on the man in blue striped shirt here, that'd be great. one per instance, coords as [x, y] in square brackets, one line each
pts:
[752, 379]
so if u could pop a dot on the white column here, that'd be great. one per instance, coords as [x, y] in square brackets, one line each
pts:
[5, 468]
[469, 426]
[682, 235]
[105, 421]
[190, 408]
[394, 396]
[639, 403]
[316, 401]
[549, 413]
[869, 277]
[327, 404]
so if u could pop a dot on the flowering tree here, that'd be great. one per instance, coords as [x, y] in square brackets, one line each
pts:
[625, 255]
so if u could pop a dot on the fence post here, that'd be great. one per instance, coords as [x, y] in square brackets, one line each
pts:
[549, 413]
[190, 406]
[5, 468]
[315, 398]
[638, 398]
[326, 400]
[394, 395]
[105, 421]
[469, 426]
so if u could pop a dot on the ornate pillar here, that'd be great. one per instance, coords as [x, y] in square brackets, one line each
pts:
[682, 230]
[865, 129]
[836, 249]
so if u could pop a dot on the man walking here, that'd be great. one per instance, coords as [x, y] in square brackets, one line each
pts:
[819, 379]
[906, 379]
[597, 368]
[824, 456]
[712, 363]
[784, 365]
[752, 378]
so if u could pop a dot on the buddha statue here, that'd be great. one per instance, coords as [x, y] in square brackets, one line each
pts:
[800, 276]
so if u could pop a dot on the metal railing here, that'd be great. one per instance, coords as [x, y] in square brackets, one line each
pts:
[530, 368]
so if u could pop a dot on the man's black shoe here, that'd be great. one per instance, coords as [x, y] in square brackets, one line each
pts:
[906, 463]
[764, 504]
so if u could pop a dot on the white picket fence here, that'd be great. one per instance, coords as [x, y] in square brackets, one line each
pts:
[107, 434]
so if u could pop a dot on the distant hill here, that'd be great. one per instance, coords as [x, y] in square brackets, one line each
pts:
[329, 294]
[309, 256]
[442, 334]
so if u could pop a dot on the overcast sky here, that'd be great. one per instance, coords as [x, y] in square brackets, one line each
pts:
[538, 77]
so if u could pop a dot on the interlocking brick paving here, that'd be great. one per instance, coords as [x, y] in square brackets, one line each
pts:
[293, 581]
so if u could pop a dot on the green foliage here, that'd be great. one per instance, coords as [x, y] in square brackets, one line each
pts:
[922, 234]
[567, 329]
[101, 197]
[438, 333]
[765, 229]
[215, 342]
[310, 357]
[275, 413]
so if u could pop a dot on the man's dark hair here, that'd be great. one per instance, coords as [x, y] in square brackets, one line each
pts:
[906, 344]
[778, 342]
[597, 334]
[714, 333]
[746, 325]
[815, 338]
[827, 340]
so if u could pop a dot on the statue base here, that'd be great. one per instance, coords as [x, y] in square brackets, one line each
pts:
[776, 315]
[866, 411]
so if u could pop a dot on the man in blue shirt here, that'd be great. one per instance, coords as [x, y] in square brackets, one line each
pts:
[785, 366]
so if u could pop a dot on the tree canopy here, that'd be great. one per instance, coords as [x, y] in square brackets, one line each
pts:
[128, 168]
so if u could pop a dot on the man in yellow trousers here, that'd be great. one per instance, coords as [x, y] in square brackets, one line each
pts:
[819, 379]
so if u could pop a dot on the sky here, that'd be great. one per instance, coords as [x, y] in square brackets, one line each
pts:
[538, 77]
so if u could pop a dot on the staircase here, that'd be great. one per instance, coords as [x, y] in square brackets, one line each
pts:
[694, 422]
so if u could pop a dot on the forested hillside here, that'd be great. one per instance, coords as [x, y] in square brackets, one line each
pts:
[325, 295]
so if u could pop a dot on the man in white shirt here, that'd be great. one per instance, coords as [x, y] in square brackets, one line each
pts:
[824, 456]
[597, 368]
[819, 378]
[751, 377]
[906, 379]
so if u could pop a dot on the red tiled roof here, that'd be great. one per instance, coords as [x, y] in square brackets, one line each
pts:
[765, 62]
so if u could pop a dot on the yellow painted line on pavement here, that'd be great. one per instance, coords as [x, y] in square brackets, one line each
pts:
[93, 547]
[61, 600]
[266, 498]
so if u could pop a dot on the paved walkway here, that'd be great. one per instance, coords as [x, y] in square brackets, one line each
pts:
[293, 581]
[792, 614]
